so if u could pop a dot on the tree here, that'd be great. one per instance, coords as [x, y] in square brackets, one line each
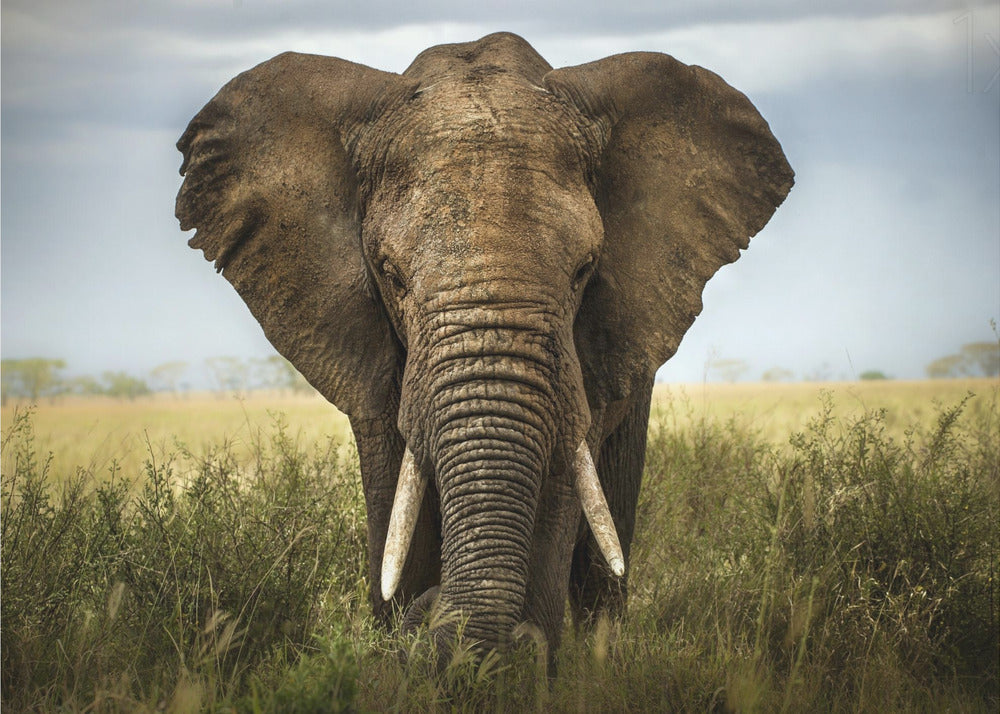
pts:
[85, 385]
[982, 358]
[165, 377]
[872, 375]
[30, 378]
[974, 359]
[124, 386]
[729, 369]
[230, 374]
[945, 367]
[276, 372]
[777, 374]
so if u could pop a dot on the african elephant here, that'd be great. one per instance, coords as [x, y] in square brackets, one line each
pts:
[482, 261]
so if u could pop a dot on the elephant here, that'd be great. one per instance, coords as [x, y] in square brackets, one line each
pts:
[482, 262]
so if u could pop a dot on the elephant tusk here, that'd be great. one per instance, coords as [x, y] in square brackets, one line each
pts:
[595, 508]
[402, 522]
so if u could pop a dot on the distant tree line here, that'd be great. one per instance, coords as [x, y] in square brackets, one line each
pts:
[36, 378]
[976, 359]
[731, 370]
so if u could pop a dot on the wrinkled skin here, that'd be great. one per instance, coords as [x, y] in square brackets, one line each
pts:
[485, 261]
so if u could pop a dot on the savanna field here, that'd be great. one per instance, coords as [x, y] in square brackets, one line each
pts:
[799, 548]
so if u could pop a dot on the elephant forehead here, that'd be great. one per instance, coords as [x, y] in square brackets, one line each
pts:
[479, 167]
[459, 124]
[496, 53]
[494, 210]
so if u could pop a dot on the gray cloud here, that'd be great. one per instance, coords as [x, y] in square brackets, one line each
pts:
[66, 64]
[258, 18]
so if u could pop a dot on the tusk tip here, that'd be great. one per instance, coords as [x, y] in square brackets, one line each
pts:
[390, 579]
[617, 567]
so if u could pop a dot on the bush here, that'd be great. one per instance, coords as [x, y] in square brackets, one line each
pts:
[180, 584]
[903, 540]
[845, 571]
[872, 375]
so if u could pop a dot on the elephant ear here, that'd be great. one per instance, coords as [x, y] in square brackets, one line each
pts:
[272, 192]
[687, 172]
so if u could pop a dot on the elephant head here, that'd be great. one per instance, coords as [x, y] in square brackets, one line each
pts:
[482, 262]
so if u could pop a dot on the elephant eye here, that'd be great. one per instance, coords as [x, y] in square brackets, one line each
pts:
[583, 272]
[392, 276]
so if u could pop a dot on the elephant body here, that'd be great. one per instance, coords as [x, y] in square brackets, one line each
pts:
[482, 262]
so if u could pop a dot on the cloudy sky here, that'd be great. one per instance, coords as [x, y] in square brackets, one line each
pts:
[886, 255]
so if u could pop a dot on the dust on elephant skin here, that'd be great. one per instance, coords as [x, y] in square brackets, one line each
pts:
[482, 261]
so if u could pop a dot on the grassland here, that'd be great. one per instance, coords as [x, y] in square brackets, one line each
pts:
[775, 411]
[800, 548]
[97, 432]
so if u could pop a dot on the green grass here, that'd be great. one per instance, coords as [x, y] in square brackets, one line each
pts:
[849, 566]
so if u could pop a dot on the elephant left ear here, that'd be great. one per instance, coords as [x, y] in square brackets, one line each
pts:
[687, 172]
[271, 189]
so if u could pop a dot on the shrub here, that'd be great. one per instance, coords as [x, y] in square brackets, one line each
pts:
[177, 585]
[903, 540]
[847, 570]
[871, 375]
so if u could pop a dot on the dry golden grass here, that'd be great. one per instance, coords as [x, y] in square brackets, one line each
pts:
[778, 410]
[94, 432]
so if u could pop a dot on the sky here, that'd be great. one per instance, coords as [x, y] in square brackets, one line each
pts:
[886, 254]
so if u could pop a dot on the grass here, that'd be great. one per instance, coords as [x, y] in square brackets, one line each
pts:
[100, 433]
[848, 564]
[777, 410]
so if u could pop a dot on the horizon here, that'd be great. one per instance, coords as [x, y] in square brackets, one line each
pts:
[261, 374]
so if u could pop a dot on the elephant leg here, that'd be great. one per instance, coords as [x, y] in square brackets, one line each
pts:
[552, 548]
[380, 452]
[593, 590]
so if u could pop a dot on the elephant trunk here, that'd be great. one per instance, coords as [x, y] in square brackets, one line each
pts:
[489, 404]
[485, 411]
[490, 454]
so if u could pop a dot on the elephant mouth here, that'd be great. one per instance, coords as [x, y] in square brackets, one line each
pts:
[412, 484]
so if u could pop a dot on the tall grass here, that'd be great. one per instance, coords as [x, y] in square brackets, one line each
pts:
[852, 572]
[204, 582]
[845, 570]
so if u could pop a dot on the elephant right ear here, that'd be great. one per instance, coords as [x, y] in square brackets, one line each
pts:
[687, 171]
[272, 192]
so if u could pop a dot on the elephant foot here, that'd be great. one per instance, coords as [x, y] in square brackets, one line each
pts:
[531, 639]
[420, 610]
